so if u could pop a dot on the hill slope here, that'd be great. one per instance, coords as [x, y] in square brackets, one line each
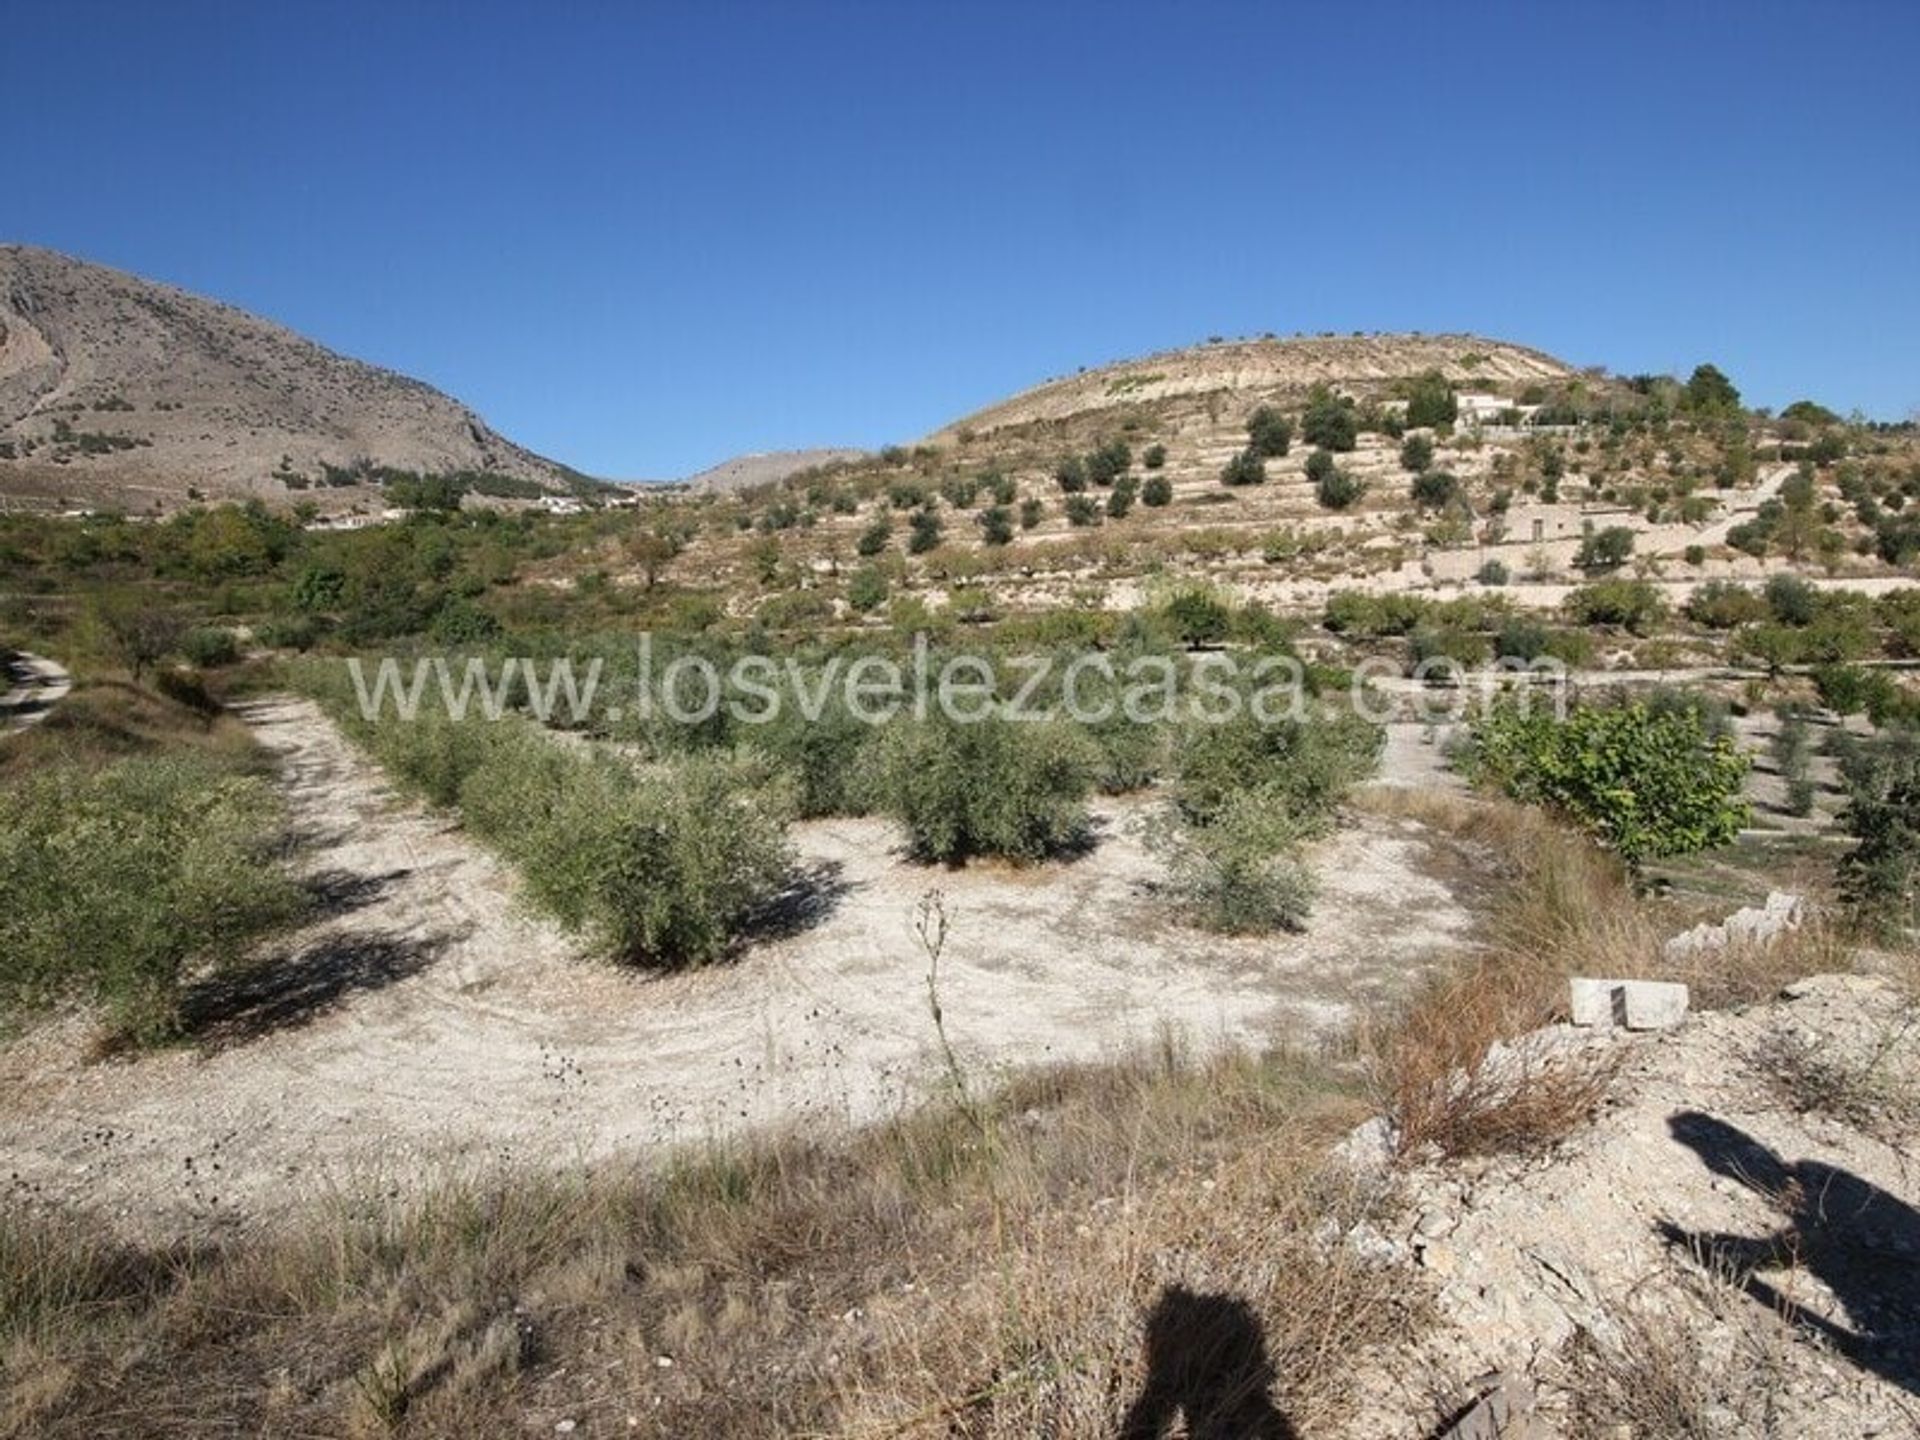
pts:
[1266, 368]
[116, 389]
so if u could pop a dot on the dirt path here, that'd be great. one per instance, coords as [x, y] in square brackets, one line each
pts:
[427, 1017]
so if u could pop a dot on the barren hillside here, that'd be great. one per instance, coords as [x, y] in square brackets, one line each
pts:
[744, 472]
[1266, 369]
[116, 389]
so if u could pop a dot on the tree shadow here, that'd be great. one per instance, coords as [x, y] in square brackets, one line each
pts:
[292, 990]
[811, 895]
[1206, 1363]
[1858, 1240]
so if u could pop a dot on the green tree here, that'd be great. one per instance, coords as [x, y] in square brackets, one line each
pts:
[1245, 468]
[1157, 492]
[1416, 453]
[923, 531]
[996, 525]
[1269, 433]
[1431, 401]
[1708, 392]
[1329, 421]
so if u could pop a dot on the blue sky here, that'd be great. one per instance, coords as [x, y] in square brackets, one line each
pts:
[643, 238]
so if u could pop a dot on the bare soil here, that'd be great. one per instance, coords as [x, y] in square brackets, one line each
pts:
[427, 1018]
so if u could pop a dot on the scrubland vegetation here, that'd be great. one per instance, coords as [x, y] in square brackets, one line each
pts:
[980, 1264]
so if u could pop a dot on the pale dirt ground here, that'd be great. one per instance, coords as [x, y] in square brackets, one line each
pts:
[1635, 1238]
[429, 1018]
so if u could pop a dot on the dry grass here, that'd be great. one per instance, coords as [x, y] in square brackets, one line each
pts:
[1440, 1065]
[917, 1278]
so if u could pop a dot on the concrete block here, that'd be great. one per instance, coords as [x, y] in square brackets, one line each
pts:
[1630, 1004]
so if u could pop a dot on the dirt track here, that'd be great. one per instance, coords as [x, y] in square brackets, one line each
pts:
[426, 1016]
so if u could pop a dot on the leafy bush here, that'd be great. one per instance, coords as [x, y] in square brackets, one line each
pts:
[1646, 783]
[1435, 489]
[1071, 475]
[923, 531]
[1157, 492]
[1237, 875]
[1494, 572]
[116, 879]
[1109, 462]
[1120, 502]
[1431, 401]
[210, 646]
[1031, 509]
[1329, 421]
[1634, 604]
[1606, 549]
[1880, 876]
[1245, 468]
[1724, 604]
[1269, 433]
[875, 537]
[1334, 488]
[1306, 766]
[1197, 616]
[867, 590]
[990, 787]
[1155, 457]
[1416, 453]
[1082, 510]
[1792, 600]
[996, 525]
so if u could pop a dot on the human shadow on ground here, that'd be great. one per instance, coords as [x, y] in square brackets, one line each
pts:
[288, 991]
[1207, 1364]
[333, 893]
[1858, 1240]
[810, 896]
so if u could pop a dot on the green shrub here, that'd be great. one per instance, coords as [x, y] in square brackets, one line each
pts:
[1880, 876]
[1269, 433]
[1334, 488]
[991, 787]
[1197, 616]
[1245, 468]
[1647, 784]
[116, 880]
[996, 525]
[1082, 510]
[867, 590]
[1792, 600]
[1435, 489]
[210, 646]
[1120, 502]
[1157, 492]
[875, 537]
[1155, 457]
[1071, 475]
[1493, 573]
[1431, 401]
[1108, 462]
[923, 531]
[1416, 453]
[1606, 549]
[1237, 875]
[1724, 604]
[1031, 509]
[1634, 604]
[1329, 421]
[1305, 766]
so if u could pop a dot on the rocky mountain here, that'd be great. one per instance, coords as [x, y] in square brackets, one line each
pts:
[118, 390]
